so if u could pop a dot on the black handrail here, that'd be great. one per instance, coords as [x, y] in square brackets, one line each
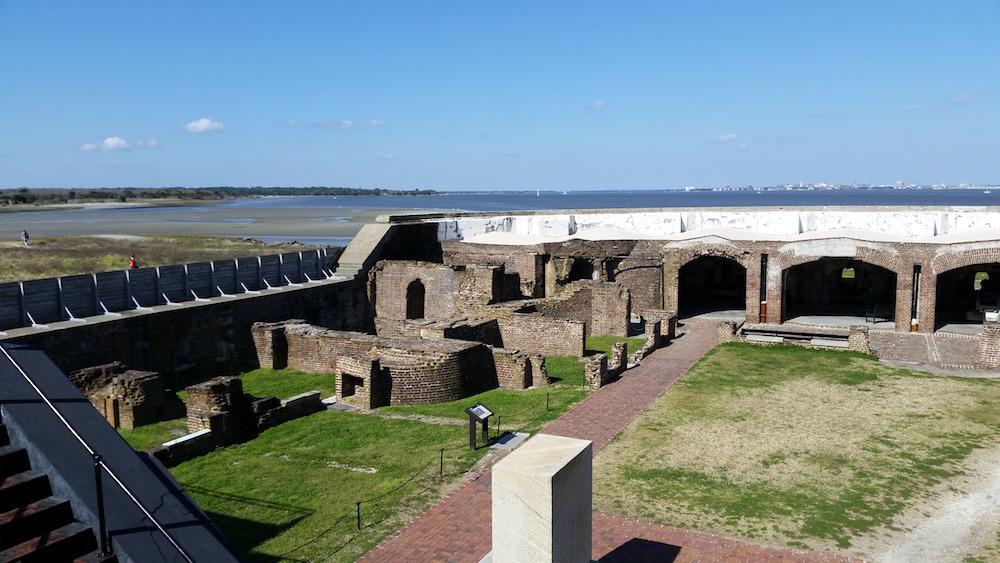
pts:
[98, 465]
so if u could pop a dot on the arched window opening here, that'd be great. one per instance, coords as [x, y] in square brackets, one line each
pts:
[978, 281]
[415, 300]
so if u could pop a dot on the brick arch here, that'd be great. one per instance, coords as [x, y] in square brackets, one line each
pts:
[884, 259]
[741, 256]
[953, 260]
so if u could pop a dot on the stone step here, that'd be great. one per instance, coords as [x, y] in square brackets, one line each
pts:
[21, 488]
[13, 460]
[33, 519]
[64, 543]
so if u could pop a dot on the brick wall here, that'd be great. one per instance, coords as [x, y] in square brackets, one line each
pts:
[142, 399]
[392, 278]
[535, 333]
[200, 340]
[988, 356]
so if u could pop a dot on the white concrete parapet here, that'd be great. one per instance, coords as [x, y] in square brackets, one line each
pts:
[542, 495]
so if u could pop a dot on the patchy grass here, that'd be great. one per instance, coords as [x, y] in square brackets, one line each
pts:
[603, 344]
[287, 383]
[69, 255]
[145, 437]
[290, 493]
[807, 448]
[521, 411]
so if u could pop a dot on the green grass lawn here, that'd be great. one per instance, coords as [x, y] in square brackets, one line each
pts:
[145, 437]
[520, 411]
[291, 493]
[786, 445]
[565, 370]
[287, 383]
[603, 344]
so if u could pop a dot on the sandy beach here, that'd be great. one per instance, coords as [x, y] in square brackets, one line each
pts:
[271, 224]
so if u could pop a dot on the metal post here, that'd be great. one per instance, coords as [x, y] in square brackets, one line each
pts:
[441, 471]
[359, 514]
[546, 401]
[102, 522]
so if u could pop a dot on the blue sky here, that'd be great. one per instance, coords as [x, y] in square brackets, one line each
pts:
[498, 95]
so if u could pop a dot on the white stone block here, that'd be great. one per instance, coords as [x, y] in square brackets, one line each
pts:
[542, 502]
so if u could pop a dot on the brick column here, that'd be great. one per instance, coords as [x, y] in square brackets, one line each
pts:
[857, 340]
[988, 356]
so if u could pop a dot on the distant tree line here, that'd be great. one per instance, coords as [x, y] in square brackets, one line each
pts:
[49, 196]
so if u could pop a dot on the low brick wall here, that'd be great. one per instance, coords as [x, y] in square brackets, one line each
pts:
[858, 341]
[667, 320]
[534, 333]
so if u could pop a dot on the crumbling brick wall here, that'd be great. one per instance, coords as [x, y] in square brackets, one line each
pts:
[142, 399]
[988, 356]
[392, 278]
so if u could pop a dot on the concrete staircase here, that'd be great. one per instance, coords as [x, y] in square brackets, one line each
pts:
[363, 246]
[34, 525]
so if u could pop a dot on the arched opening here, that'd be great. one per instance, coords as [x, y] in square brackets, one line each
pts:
[964, 296]
[582, 269]
[711, 284]
[415, 300]
[844, 287]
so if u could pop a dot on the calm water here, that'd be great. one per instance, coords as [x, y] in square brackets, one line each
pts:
[525, 201]
[278, 219]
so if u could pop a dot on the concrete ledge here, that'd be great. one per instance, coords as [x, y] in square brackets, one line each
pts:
[764, 338]
[828, 343]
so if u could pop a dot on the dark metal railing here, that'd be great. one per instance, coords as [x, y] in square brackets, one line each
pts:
[105, 535]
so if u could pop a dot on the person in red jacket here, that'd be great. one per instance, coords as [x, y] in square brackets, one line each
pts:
[133, 263]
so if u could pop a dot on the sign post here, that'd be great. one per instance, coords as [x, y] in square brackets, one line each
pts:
[478, 413]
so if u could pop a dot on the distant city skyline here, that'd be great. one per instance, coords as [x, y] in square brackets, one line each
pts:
[458, 96]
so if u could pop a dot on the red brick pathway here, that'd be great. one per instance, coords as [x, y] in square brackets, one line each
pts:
[458, 528]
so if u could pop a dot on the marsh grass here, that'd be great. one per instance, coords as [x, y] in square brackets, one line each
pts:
[291, 493]
[49, 257]
[782, 444]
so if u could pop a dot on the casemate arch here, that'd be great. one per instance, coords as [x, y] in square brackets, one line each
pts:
[838, 286]
[709, 284]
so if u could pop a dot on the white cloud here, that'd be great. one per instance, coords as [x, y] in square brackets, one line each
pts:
[88, 147]
[962, 98]
[376, 123]
[114, 144]
[824, 114]
[203, 125]
[599, 105]
[726, 138]
[288, 123]
[342, 124]
[151, 143]
[912, 107]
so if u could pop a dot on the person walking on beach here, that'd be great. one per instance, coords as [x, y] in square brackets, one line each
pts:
[132, 263]
[24, 238]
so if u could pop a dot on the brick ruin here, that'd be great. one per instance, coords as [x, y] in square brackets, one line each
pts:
[378, 370]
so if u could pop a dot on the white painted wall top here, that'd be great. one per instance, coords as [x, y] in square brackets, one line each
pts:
[937, 225]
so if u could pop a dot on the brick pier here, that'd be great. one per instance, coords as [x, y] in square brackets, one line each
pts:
[458, 528]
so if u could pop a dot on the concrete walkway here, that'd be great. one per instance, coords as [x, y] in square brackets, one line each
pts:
[459, 527]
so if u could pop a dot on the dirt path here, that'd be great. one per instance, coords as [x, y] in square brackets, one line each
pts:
[960, 520]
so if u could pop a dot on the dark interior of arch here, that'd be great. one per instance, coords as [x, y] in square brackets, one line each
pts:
[711, 283]
[961, 300]
[837, 286]
[415, 300]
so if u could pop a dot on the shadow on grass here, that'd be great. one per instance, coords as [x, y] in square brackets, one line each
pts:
[638, 550]
[245, 534]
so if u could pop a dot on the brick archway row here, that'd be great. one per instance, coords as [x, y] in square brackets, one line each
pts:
[910, 262]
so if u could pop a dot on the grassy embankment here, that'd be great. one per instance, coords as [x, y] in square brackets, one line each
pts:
[806, 448]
